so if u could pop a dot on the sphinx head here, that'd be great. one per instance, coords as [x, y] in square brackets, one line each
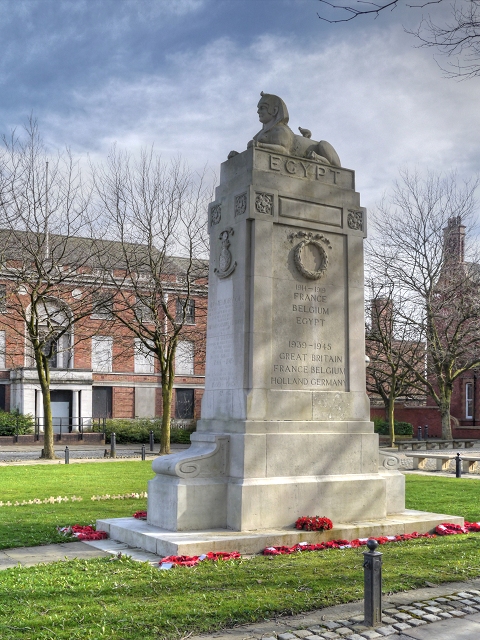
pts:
[272, 110]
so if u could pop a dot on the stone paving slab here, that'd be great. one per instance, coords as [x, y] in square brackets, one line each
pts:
[31, 556]
[466, 629]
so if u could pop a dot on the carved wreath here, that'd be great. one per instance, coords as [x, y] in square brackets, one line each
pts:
[316, 240]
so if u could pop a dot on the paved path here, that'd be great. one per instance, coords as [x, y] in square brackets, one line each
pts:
[446, 612]
[29, 454]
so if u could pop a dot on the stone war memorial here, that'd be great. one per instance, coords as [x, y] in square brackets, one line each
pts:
[285, 430]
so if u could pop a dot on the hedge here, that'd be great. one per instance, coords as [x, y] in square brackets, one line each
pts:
[401, 428]
[13, 423]
[138, 431]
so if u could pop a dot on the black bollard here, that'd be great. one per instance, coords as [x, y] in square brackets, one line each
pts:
[419, 433]
[458, 466]
[143, 452]
[425, 431]
[152, 441]
[67, 456]
[372, 585]
[113, 445]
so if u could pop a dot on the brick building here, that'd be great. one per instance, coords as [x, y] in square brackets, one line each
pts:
[465, 402]
[98, 368]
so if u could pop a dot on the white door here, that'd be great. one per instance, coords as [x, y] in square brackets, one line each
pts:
[61, 402]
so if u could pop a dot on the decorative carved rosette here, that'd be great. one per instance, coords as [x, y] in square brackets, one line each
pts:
[215, 214]
[355, 220]
[240, 204]
[316, 240]
[264, 203]
[225, 265]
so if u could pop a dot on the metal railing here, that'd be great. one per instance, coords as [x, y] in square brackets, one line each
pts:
[72, 425]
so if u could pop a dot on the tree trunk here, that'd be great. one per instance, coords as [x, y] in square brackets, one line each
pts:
[446, 424]
[44, 379]
[167, 393]
[391, 419]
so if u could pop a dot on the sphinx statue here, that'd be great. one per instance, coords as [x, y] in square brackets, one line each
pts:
[275, 135]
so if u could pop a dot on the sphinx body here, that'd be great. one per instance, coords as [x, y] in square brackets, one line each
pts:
[277, 136]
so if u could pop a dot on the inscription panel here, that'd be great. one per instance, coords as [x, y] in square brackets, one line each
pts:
[224, 363]
[308, 324]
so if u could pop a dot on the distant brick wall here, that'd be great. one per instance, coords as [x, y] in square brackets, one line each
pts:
[416, 416]
[420, 416]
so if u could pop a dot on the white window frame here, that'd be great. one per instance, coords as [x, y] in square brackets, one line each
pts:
[189, 307]
[102, 306]
[3, 298]
[102, 351]
[143, 312]
[2, 350]
[469, 400]
[144, 358]
[185, 358]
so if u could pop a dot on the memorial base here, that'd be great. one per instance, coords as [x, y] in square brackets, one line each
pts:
[253, 504]
[139, 534]
[267, 479]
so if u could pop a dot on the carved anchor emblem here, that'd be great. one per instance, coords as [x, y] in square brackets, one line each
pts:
[226, 267]
[314, 240]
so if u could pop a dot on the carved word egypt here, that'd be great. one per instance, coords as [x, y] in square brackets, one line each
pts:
[225, 264]
[314, 241]
[301, 168]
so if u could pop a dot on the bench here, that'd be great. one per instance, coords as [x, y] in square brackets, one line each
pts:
[469, 462]
[422, 445]
[443, 462]
[420, 460]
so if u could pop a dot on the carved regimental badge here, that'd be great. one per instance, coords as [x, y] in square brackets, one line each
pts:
[240, 204]
[313, 243]
[355, 220]
[225, 264]
[264, 203]
[215, 214]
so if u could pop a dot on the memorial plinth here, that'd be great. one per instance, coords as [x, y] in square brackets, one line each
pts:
[285, 426]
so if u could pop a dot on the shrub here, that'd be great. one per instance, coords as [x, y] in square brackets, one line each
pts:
[13, 423]
[401, 428]
[180, 436]
[137, 430]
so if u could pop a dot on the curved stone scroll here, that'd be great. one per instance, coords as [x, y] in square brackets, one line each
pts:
[207, 457]
[389, 461]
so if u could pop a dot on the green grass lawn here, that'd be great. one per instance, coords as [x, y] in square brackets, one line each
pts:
[106, 598]
[454, 496]
[36, 524]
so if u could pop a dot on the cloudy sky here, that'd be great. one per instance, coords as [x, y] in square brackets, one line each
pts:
[185, 75]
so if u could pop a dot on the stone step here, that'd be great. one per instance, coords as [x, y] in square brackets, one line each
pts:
[139, 534]
[114, 547]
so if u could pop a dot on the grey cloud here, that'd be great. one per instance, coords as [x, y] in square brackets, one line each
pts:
[377, 100]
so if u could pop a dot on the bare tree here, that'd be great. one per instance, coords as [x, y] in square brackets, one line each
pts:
[457, 37]
[389, 343]
[43, 208]
[155, 211]
[418, 251]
